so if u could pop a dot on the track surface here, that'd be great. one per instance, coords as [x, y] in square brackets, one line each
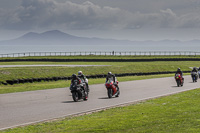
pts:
[2, 66]
[34, 106]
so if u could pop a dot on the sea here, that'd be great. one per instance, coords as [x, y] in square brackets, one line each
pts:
[8, 49]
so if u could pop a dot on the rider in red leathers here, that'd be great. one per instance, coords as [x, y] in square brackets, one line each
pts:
[179, 72]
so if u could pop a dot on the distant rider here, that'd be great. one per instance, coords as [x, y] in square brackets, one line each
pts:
[83, 77]
[112, 78]
[179, 72]
[194, 69]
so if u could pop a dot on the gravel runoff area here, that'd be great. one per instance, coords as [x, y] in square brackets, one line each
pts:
[3, 66]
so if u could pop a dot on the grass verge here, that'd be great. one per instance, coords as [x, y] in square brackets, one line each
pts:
[116, 68]
[176, 113]
[62, 84]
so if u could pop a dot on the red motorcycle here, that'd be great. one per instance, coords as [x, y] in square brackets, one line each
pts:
[112, 89]
[179, 80]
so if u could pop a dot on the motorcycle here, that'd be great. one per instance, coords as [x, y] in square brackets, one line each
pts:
[86, 83]
[78, 91]
[199, 73]
[112, 90]
[179, 80]
[194, 76]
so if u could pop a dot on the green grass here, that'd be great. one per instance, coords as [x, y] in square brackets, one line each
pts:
[177, 113]
[116, 68]
[61, 84]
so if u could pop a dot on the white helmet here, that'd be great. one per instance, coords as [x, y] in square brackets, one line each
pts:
[109, 73]
[80, 72]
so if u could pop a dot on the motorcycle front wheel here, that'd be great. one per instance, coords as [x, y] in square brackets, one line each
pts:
[118, 92]
[75, 96]
[193, 79]
[182, 83]
[110, 93]
[178, 83]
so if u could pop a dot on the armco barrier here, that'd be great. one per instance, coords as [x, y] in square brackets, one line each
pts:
[102, 53]
[17, 81]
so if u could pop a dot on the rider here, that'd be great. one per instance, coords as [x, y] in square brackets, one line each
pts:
[194, 69]
[179, 72]
[113, 78]
[74, 78]
[196, 72]
[83, 77]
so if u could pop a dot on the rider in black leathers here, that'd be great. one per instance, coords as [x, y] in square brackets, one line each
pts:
[83, 77]
[194, 69]
[113, 78]
[179, 72]
[74, 77]
[79, 81]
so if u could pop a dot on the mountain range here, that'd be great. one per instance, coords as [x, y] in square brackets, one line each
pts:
[56, 37]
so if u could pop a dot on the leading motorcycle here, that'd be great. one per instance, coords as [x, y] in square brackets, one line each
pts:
[112, 89]
[179, 80]
[78, 91]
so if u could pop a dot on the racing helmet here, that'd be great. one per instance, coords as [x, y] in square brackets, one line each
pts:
[73, 76]
[109, 73]
[178, 69]
[80, 73]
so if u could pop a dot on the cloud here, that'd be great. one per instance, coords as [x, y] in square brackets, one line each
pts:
[50, 14]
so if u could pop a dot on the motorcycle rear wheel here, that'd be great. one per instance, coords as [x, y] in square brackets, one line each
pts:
[75, 96]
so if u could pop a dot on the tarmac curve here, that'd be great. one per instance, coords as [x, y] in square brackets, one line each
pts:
[23, 108]
[3, 66]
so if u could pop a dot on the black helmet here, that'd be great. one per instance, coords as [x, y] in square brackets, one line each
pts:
[73, 76]
[178, 69]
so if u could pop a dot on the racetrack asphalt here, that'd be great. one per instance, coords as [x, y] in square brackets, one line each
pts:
[2, 66]
[24, 108]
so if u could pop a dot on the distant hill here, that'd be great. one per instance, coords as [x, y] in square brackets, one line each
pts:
[56, 37]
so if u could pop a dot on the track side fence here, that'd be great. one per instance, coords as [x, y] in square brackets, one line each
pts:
[104, 53]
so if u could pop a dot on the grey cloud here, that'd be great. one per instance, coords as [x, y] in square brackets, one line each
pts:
[36, 14]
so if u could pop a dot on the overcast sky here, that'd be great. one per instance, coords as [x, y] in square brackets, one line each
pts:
[118, 19]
